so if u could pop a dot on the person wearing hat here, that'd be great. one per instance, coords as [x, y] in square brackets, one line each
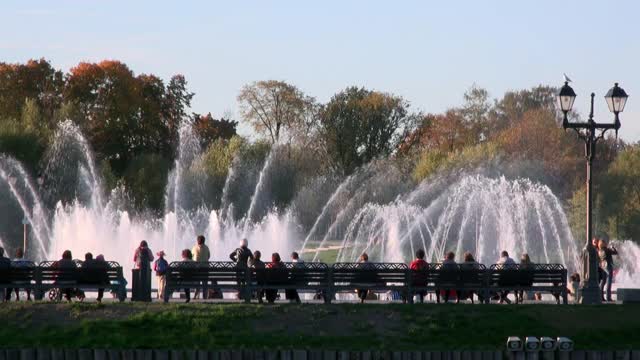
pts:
[160, 266]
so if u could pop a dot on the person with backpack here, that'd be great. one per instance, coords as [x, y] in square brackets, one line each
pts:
[161, 266]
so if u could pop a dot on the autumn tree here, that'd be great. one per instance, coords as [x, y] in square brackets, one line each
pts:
[275, 109]
[514, 104]
[537, 137]
[210, 129]
[358, 125]
[36, 80]
[475, 112]
[127, 115]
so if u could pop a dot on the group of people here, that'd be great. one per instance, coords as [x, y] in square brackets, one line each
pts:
[66, 262]
[242, 256]
[468, 262]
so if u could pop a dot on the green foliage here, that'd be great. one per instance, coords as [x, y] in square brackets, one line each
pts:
[145, 179]
[359, 125]
[209, 129]
[432, 161]
[26, 145]
[213, 166]
[620, 189]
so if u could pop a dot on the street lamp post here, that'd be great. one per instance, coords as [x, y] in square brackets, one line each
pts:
[590, 132]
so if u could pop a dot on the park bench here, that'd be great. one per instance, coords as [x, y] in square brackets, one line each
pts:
[301, 276]
[375, 277]
[467, 279]
[101, 275]
[551, 278]
[222, 275]
[20, 274]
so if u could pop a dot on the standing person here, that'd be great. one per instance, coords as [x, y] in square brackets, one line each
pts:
[507, 262]
[201, 254]
[187, 257]
[242, 255]
[605, 253]
[161, 266]
[20, 262]
[292, 294]
[143, 256]
[364, 264]
[276, 263]
[5, 265]
[258, 267]
[142, 285]
[419, 265]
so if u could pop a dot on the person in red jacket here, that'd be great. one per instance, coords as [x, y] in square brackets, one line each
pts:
[419, 279]
[276, 263]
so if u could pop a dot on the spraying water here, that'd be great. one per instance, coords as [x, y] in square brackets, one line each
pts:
[258, 190]
[476, 214]
[12, 174]
[376, 210]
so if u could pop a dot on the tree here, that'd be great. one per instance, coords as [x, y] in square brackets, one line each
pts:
[209, 130]
[475, 112]
[275, 109]
[127, 115]
[537, 137]
[514, 104]
[620, 192]
[442, 132]
[36, 80]
[358, 125]
[177, 102]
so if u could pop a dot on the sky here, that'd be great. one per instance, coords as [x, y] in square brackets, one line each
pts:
[429, 52]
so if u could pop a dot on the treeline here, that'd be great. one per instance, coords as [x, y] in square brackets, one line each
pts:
[131, 122]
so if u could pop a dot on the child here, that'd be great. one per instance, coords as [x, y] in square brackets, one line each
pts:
[161, 266]
[574, 288]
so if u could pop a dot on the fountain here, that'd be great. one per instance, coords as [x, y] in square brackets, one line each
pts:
[477, 214]
[377, 209]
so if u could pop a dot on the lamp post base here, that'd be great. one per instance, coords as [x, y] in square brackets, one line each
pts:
[591, 295]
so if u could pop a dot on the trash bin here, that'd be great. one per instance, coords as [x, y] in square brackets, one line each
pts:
[141, 285]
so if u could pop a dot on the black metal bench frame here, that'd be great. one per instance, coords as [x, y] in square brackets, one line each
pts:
[551, 278]
[49, 276]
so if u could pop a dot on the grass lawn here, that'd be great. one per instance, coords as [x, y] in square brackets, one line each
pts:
[339, 326]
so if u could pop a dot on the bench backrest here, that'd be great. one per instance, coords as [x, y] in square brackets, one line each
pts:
[222, 272]
[97, 273]
[461, 275]
[528, 275]
[18, 271]
[370, 274]
[300, 274]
